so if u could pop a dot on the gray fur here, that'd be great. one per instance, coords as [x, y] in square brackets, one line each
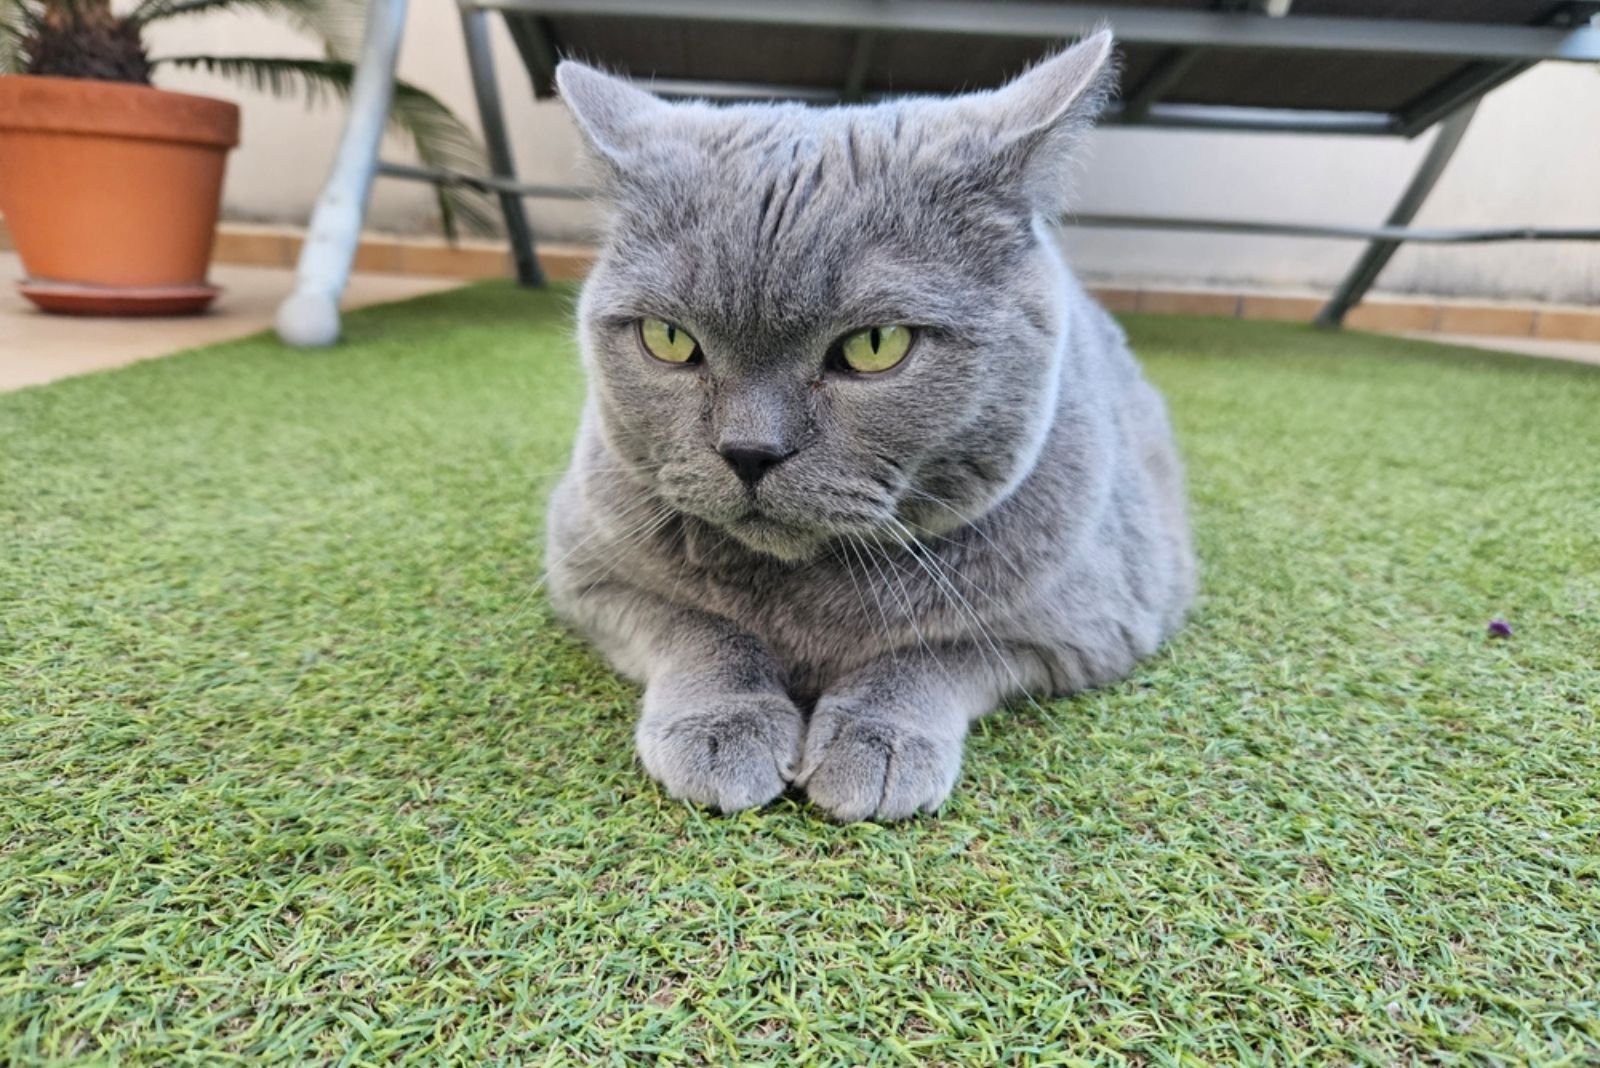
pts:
[1002, 513]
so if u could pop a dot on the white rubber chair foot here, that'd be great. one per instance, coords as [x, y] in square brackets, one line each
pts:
[309, 320]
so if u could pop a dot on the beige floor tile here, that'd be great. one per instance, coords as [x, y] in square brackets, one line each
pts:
[1582, 351]
[36, 348]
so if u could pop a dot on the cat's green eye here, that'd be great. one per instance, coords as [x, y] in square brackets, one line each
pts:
[875, 349]
[668, 342]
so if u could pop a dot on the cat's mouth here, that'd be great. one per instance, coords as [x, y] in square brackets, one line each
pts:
[754, 519]
[760, 531]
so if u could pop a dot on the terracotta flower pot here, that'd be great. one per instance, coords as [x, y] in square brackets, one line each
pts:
[111, 192]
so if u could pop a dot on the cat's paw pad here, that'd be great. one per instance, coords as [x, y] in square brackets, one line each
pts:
[859, 766]
[729, 754]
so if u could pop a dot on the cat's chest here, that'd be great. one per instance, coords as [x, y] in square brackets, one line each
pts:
[812, 612]
[848, 605]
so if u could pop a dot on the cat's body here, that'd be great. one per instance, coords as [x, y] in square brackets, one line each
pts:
[1004, 513]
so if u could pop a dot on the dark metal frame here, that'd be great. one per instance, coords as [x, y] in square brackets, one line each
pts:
[1136, 25]
[1389, 232]
[1361, 276]
[475, 29]
[1498, 53]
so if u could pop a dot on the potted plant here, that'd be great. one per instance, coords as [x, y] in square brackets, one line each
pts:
[111, 187]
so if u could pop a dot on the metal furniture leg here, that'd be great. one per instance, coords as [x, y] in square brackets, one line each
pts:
[310, 315]
[1377, 254]
[475, 29]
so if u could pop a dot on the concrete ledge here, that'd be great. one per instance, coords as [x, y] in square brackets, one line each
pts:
[1577, 325]
[272, 246]
[277, 246]
[1189, 302]
[1393, 316]
[1381, 314]
[246, 245]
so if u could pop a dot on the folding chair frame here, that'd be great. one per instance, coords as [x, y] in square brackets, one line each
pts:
[1495, 54]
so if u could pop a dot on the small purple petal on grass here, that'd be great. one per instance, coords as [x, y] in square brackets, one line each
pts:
[1499, 628]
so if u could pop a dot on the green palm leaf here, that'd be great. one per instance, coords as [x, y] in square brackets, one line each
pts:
[438, 137]
[17, 20]
[336, 23]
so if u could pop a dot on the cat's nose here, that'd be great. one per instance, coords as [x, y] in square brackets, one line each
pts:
[750, 461]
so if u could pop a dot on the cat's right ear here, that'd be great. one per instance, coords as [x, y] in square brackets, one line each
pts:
[614, 116]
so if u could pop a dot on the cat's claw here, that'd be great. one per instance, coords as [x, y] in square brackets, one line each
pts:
[859, 766]
[729, 754]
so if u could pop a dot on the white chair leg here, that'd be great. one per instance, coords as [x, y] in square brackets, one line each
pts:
[310, 315]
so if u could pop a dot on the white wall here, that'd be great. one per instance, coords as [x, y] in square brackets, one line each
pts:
[279, 167]
[1532, 156]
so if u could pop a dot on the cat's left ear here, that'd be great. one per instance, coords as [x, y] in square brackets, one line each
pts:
[1040, 118]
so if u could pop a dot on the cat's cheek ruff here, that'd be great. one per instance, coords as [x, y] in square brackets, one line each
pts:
[1027, 455]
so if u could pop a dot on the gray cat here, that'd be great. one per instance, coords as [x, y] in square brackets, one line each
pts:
[860, 459]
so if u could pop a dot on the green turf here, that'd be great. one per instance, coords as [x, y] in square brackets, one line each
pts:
[294, 767]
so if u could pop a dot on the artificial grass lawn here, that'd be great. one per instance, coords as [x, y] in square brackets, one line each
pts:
[295, 767]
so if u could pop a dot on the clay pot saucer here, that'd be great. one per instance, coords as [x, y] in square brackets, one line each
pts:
[78, 298]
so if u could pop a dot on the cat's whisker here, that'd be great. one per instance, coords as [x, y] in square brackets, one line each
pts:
[660, 516]
[587, 469]
[635, 511]
[853, 541]
[911, 616]
[837, 551]
[859, 551]
[934, 568]
[521, 604]
[941, 572]
[545, 471]
[644, 531]
[904, 534]
[942, 585]
[949, 569]
[967, 524]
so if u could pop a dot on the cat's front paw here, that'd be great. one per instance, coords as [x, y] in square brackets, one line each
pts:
[859, 765]
[729, 752]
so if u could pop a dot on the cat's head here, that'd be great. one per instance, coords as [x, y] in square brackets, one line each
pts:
[809, 323]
